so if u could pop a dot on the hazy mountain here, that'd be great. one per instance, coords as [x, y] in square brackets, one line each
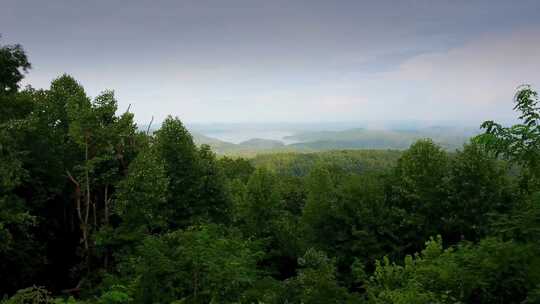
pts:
[261, 143]
[251, 139]
[359, 138]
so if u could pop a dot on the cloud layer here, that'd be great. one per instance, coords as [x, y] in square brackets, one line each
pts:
[283, 60]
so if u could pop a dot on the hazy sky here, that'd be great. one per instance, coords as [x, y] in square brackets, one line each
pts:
[286, 60]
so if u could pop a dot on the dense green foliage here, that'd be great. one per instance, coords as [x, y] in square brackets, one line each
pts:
[94, 211]
[351, 161]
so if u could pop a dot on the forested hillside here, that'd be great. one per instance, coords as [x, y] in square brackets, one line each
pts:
[448, 139]
[248, 148]
[92, 210]
[347, 161]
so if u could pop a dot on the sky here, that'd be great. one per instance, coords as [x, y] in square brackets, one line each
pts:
[286, 60]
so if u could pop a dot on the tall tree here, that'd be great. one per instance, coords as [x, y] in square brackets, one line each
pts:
[214, 202]
[478, 185]
[176, 148]
[140, 207]
[418, 187]
[262, 205]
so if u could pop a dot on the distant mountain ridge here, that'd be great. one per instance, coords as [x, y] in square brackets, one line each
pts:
[360, 138]
[248, 147]
[356, 138]
[262, 143]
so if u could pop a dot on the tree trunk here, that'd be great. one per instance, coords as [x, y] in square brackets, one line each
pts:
[87, 207]
[94, 213]
[78, 205]
[106, 205]
[106, 221]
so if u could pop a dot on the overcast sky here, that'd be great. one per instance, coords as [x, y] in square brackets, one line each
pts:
[286, 60]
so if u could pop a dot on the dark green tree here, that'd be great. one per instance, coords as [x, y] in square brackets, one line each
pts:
[321, 206]
[140, 207]
[478, 186]
[418, 187]
[214, 202]
[316, 281]
[199, 265]
[261, 207]
[13, 64]
[196, 183]
[493, 271]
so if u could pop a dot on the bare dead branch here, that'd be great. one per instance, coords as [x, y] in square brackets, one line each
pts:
[149, 125]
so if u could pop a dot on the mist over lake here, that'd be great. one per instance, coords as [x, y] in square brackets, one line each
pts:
[239, 135]
[288, 132]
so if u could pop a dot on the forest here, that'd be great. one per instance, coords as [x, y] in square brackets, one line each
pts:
[95, 210]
